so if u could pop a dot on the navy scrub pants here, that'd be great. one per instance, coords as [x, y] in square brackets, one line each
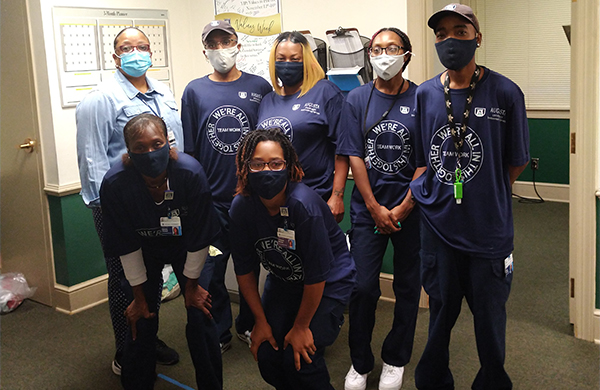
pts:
[368, 250]
[281, 304]
[213, 276]
[139, 357]
[448, 275]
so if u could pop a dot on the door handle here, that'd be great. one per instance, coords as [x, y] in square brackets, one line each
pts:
[28, 145]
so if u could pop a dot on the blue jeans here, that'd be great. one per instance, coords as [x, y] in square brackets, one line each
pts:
[368, 250]
[448, 275]
[281, 305]
[139, 356]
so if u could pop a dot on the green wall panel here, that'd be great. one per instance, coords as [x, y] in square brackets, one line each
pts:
[549, 141]
[77, 253]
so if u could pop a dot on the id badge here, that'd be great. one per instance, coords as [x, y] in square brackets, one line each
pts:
[368, 162]
[508, 265]
[170, 226]
[171, 135]
[286, 238]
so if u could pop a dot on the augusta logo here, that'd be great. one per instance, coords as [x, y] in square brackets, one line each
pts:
[243, 95]
[443, 155]
[281, 262]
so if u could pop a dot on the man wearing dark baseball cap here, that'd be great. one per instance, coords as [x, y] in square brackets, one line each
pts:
[474, 142]
[217, 111]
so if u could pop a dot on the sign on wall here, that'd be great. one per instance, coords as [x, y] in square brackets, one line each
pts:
[257, 23]
[84, 46]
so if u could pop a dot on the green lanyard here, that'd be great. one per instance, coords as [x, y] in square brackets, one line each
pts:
[459, 136]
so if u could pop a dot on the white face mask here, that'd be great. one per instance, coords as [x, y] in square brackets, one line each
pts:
[222, 59]
[386, 66]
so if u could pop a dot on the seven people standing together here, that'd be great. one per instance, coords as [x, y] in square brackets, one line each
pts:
[258, 173]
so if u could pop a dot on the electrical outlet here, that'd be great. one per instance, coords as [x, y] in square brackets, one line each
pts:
[535, 164]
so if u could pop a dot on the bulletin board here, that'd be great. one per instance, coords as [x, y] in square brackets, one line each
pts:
[84, 38]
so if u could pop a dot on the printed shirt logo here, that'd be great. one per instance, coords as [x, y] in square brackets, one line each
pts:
[479, 111]
[243, 95]
[443, 155]
[404, 110]
[226, 126]
[295, 107]
[281, 262]
[387, 147]
[278, 121]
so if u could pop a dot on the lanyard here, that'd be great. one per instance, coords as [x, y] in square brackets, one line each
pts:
[385, 114]
[457, 137]
[155, 112]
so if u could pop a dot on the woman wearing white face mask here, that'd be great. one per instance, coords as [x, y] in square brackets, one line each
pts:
[217, 111]
[379, 138]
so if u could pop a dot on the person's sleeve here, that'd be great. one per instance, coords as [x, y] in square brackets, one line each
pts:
[312, 241]
[351, 142]
[243, 252]
[517, 130]
[171, 104]
[134, 267]
[203, 225]
[120, 235]
[194, 263]
[95, 117]
[419, 147]
[333, 110]
[189, 120]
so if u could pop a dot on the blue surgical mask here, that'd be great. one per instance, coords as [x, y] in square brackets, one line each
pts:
[290, 73]
[153, 163]
[267, 184]
[454, 53]
[135, 63]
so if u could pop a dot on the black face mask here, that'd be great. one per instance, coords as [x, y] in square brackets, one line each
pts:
[455, 53]
[290, 73]
[267, 184]
[151, 164]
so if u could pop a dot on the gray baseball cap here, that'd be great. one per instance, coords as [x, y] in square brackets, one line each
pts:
[222, 25]
[458, 9]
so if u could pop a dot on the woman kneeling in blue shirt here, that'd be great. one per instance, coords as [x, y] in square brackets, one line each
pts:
[157, 209]
[290, 230]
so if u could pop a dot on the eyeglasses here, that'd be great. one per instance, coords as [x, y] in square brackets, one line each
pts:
[226, 43]
[391, 50]
[274, 165]
[143, 47]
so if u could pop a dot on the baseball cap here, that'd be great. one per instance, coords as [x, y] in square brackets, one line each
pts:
[460, 9]
[217, 25]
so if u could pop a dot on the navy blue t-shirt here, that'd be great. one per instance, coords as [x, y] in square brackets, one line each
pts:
[387, 149]
[497, 137]
[321, 252]
[131, 218]
[311, 123]
[215, 117]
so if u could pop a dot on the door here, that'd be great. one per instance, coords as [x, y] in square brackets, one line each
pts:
[24, 222]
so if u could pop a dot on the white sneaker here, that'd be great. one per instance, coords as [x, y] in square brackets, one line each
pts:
[245, 337]
[391, 377]
[355, 381]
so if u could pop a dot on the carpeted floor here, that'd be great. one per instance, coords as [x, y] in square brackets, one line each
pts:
[43, 349]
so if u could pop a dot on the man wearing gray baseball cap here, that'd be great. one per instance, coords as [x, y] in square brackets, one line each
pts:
[474, 142]
[217, 111]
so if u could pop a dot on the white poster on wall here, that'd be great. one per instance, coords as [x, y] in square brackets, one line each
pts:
[257, 23]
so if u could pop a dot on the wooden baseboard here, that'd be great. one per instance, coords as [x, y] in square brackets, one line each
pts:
[548, 191]
[387, 291]
[597, 327]
[71, 300]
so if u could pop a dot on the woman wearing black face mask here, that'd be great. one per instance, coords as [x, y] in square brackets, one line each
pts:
[287, 227]
[157, 209]
[307, 109]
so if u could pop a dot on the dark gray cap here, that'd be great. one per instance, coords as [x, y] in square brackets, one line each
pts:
[222, 25]
[458, 9]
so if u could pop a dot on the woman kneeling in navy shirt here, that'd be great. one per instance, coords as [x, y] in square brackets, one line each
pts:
[290, 230]
[157, 209]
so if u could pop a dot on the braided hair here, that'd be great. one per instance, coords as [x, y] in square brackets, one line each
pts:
[138, 125]
[246, 151]
[406, 45]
